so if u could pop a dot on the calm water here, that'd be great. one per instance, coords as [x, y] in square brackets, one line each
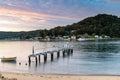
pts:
[99, 58]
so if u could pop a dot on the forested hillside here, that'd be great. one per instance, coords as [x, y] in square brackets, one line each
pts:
[99, 24]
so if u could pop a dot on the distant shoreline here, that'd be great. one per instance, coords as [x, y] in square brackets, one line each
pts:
[86, 39]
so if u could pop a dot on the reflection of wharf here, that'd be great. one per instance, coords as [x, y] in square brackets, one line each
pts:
[64, 52]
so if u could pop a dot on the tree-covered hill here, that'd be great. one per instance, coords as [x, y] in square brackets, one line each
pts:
[101, 24]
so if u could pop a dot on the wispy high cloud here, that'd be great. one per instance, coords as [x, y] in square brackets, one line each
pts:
[30, 19]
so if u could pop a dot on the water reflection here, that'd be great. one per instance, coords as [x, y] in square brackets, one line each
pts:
[10, 62]
[97, 50]
[100, 47]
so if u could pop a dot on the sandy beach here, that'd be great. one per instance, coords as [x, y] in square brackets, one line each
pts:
[25, 76]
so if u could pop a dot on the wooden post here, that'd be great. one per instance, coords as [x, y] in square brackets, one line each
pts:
[63, 53]
[45, 58]
[29, 60]
[52, 56]
[39, 58]
[36, 59]
[58, 54]
[71, 51]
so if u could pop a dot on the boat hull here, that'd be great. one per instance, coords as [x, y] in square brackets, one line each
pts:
[8, 59]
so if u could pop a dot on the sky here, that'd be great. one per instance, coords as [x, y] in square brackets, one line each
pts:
[27, 15]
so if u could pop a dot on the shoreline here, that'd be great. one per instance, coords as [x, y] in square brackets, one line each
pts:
[29, 76]
[86, 39]
[59, 74]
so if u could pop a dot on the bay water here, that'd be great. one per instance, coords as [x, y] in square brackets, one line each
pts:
[89, 57]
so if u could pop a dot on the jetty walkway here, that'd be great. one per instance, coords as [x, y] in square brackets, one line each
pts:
[37, 56]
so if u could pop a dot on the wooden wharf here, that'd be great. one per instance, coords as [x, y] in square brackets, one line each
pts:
[37, 56]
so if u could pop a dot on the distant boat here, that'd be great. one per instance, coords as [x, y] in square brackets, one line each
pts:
[7, 59]
[81, 39]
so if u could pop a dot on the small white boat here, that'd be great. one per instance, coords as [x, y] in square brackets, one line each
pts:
[81, 39]
[7, 59]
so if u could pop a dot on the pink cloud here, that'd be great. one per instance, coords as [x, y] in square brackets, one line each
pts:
[29, 20]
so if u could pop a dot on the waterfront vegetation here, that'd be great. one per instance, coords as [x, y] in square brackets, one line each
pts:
[101, 26]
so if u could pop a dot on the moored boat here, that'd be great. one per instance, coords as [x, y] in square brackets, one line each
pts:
[7, 59]
[81, 39]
